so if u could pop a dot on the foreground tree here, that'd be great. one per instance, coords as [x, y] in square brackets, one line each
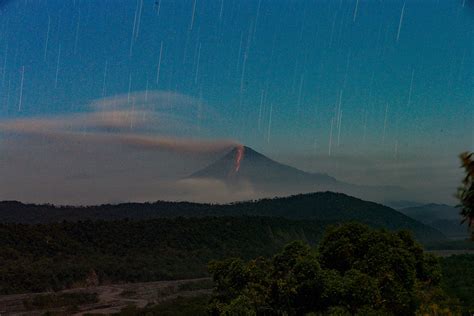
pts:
[356, 271]
[466, 191]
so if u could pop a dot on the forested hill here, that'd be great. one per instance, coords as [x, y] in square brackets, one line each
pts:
[62, 255]
[323, 206]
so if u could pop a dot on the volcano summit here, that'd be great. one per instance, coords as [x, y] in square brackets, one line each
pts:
[243, 165]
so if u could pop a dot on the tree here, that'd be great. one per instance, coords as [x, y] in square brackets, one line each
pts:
[466, 191]
[358, 271]
[378, 257]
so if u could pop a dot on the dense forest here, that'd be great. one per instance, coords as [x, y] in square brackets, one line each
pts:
[355, 270]
[133, 242]
[57, 256]
[458, 279]
[61, 255]
[322, 206]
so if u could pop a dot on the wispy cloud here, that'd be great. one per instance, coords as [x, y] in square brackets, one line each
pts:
[149, 120]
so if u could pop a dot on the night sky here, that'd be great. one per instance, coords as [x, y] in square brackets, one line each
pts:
[373, 92]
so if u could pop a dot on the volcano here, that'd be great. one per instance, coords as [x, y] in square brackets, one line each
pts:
[245, 166]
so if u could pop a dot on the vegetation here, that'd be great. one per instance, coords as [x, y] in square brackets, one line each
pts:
[322, 206]
[459, 244]
[356, 271]
[458, 279]
[56, 256]
[466, 191]
[205, 284]
[352, 269]
[62, 255]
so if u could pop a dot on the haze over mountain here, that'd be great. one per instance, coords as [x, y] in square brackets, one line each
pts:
[444, 218]
[243, 166]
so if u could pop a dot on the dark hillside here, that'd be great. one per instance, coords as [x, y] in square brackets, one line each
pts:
[321, 206]
[61, 255]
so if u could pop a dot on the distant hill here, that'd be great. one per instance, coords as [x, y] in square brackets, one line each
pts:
[321, 206]
[432, 212]
[243, 166]
[443, 217]
[402, 204]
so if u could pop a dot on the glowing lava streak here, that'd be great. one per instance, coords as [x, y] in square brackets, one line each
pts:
[238, 158]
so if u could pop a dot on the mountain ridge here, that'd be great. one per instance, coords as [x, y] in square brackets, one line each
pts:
[445, 218]
[323, 206]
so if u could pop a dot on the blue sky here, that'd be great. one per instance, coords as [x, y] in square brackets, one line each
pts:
[394, 79]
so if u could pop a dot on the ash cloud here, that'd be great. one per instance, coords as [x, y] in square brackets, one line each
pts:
[149, 120]
[133, 147]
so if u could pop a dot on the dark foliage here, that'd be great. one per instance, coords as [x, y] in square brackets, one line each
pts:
[460, 244]
[60, 255]
[458, 279]
[466, 191]
[322, 206]
[356, 271]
